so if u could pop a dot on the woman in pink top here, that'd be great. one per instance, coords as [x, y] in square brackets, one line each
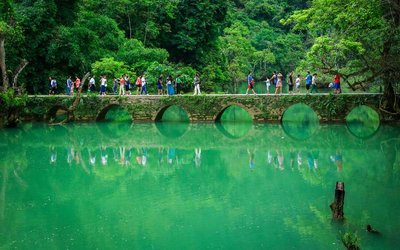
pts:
[77, 82]
[122, 85]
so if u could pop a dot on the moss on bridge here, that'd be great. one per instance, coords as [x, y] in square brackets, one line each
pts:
[205, 108]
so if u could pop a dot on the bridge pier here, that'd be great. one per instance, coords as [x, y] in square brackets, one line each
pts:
[207, 108]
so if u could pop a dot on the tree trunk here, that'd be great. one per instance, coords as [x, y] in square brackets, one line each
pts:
[18, 70]
[390, 58]
[338, 203]
[72, 108]
[3, 63]
[130, 26]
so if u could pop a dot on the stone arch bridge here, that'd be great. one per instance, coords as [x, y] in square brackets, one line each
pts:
[205, 108]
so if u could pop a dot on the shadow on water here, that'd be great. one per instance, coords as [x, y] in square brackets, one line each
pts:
[300, 122]
[117, 114]
[235, 123]
[117, 122]
[174, 122]
[363, 122]
[172, 129]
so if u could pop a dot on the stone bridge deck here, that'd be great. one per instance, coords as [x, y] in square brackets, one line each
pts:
[204, 108]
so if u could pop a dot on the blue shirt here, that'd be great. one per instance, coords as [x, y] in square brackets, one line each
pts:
[249, 79]
[308, 79]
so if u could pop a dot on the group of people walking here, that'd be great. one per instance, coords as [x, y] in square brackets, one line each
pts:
[294, 85]
[171, 86]
[123, 85]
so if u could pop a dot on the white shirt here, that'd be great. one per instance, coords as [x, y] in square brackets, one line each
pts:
[297, 81]
[103, 81]
[92, 81]
[143, 81]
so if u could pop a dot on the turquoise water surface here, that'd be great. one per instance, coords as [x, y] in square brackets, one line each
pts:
[196, 186]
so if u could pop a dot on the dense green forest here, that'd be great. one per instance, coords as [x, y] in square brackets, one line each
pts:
[221, 40]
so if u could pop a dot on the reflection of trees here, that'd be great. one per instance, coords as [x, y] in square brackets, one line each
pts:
[13, 161]
[125, 201]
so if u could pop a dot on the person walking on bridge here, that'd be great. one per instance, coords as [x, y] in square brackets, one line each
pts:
[308, 81]
[250, 84]
[314, 83]
[121, 85]
[196, 84]
[336, 84]
[160, 85]
[290, 82]
[279, 84]
[144, 86]
[68, 85]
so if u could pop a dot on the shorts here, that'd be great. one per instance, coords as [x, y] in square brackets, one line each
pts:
[127, 87]
[336, 86]
[159, 86]
[290, 87]
[250, 86]
[103, 88]
[308, 86]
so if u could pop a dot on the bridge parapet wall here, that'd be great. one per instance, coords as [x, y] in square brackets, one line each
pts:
[207, 108]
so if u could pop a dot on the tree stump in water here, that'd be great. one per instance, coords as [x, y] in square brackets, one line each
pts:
[338, 203]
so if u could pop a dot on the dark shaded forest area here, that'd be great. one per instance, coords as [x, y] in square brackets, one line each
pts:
[222, 40]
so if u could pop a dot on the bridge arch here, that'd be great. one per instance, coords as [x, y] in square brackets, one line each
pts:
[101, 116]
[299, 121]
[160, 113]
[363, 121]
[54, 112]
[217, 117]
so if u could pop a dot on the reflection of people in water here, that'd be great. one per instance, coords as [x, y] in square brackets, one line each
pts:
[337, 158]
[141, 158]
[171, 154]
[315, 154]
[197, 157]
[53, 155]
[70, 155]
[291, 157]
[269, 157]
[104, 156]
[160, 155]
[312, 159]
[92, 158]
[299, 160]
[251, 158]
[128, 156]
[372, 230]
[122, 155]
[281, 158]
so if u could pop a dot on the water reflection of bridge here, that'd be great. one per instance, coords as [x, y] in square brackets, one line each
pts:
[190, 136]
[209, 108]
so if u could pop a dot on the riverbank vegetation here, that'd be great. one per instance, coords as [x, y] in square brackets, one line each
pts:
[222, 40]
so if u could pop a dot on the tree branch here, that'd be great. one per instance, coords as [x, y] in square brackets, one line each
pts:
[18, 70]
[3, 62]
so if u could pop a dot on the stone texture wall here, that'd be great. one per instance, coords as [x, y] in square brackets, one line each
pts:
[208, 108]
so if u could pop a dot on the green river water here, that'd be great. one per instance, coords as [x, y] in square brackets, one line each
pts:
[197, 186]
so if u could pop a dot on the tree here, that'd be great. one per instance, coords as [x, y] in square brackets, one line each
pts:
[195, 30]
[9, 29]
[110, 68]
[237, 51]
[358, 39]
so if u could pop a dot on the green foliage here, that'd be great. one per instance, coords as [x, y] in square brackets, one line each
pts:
[347, 37]
[8, 100]
[351, 241]
[110, 68]
[222, 40]
[134, 54]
